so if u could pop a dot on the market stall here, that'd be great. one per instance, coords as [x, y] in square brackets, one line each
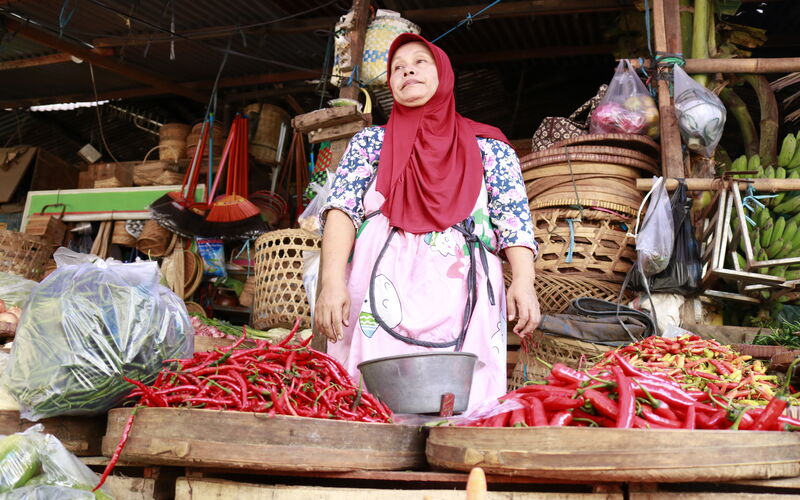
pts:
[160, 334]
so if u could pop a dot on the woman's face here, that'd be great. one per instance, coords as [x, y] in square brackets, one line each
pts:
[414, 78]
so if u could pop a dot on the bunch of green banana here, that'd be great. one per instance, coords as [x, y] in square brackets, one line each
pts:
[789, 157]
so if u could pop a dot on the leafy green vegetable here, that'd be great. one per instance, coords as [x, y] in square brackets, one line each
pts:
[786, 335]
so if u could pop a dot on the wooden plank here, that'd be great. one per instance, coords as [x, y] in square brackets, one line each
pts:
[787, 482]
[59, 57]
[654, 455]
[131, 488]
[212, 489]
[345, 130]
[231, 440]
[326, 117]
[725, 333]
[80, 435]
[357, 38]
[664, 495]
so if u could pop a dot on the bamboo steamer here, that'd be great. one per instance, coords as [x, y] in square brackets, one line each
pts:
[558, 157]
[172, 139]
[266, 142]
[636, 455]
[253, 441]
[218, 134]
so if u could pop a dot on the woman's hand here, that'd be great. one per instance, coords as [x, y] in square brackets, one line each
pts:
[332, 310]
[523, 305]
[521, 300]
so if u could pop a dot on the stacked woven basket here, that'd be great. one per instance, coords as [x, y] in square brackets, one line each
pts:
[583, 201]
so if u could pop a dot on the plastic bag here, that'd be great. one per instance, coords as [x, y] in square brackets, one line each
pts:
[34, 465]
[701, 114]
[309, 219]
[84, 328]
[682, 274]
[310, 272]
[627, 107]
[14, 290]
[655, 240]
[213, 253]
[7, 402]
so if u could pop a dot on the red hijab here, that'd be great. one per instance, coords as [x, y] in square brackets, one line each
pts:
[430, 170]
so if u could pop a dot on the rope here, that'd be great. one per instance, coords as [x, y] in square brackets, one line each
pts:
[571, 241]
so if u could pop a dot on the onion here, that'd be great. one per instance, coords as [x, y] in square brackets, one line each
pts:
[2, 306]
[8, 317]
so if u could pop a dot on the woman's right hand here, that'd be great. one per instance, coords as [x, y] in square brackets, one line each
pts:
[332, 310]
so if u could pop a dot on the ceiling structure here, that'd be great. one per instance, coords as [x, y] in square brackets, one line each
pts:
[157, 61]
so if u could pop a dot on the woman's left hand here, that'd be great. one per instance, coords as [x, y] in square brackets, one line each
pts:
[523, 305]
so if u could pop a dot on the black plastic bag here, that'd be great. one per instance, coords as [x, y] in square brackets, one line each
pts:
[682, 274]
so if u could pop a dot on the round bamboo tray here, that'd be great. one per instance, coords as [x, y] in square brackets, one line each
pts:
[636, 455]
[582, 168]
[593, 149]
[640, 143]
[194, 307]
[607, 201]
[557, 158]
[253, 441]
[585, 185]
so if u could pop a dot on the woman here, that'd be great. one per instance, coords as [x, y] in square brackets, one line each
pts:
[428, 201]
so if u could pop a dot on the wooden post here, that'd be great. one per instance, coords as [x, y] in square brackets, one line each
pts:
[666, 28]
[357, 36]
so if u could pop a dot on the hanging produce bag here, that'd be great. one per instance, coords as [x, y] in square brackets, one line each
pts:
[37, 466]
[381, 32]
[86, 327]
[627, 107]
[682, 274]
[701, 114]
[655, 240]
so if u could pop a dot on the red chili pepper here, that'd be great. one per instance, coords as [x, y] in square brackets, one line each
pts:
[555, 403]
[768, 419]
[626, 402]
[535, 415]
[602, 403]
[567, 374]
[561, 419]
[702, 374]
[517, 418]
[651, 416]
[126, 431]
[689, 422]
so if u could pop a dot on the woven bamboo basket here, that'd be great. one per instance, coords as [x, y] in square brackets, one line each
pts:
[640, 143]
[280, 297]
[601, 249]
[194, 307]
[550, 349]
[558, 156]
[172, 138]
[248, 292]
[155, 241]
[121, 236]
[24, 254]
[266, 142]
[556, 291]
[594, 149]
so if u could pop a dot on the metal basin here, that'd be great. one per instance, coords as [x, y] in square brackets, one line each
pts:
[415, 383]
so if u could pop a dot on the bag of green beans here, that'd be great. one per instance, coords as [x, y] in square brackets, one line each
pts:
[87, 326]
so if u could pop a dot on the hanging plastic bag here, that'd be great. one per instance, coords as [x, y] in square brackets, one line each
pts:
[309, 219]
[37, 466]
[701, 114]
[85, 328]
[655, 240]
[682, 274]
[310, 274]
[627, 107]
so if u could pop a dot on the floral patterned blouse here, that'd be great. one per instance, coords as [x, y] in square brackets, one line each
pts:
[509, 214]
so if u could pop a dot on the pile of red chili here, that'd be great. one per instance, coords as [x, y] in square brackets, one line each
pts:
[615, 393]
[275, 379]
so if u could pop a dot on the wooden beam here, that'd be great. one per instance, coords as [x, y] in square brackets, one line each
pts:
[667, 34]
[437, 15]
[59, 57]
[357, 37]
[205, 85]
[749, 65]
[534, 53]
[146, 77]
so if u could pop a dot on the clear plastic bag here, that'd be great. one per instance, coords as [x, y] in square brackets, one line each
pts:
[701, 114]
[627, 107]
[34, 465]
[656, 238]
[14, 290]
[310, 273]
[84, 328]
[309, 219]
